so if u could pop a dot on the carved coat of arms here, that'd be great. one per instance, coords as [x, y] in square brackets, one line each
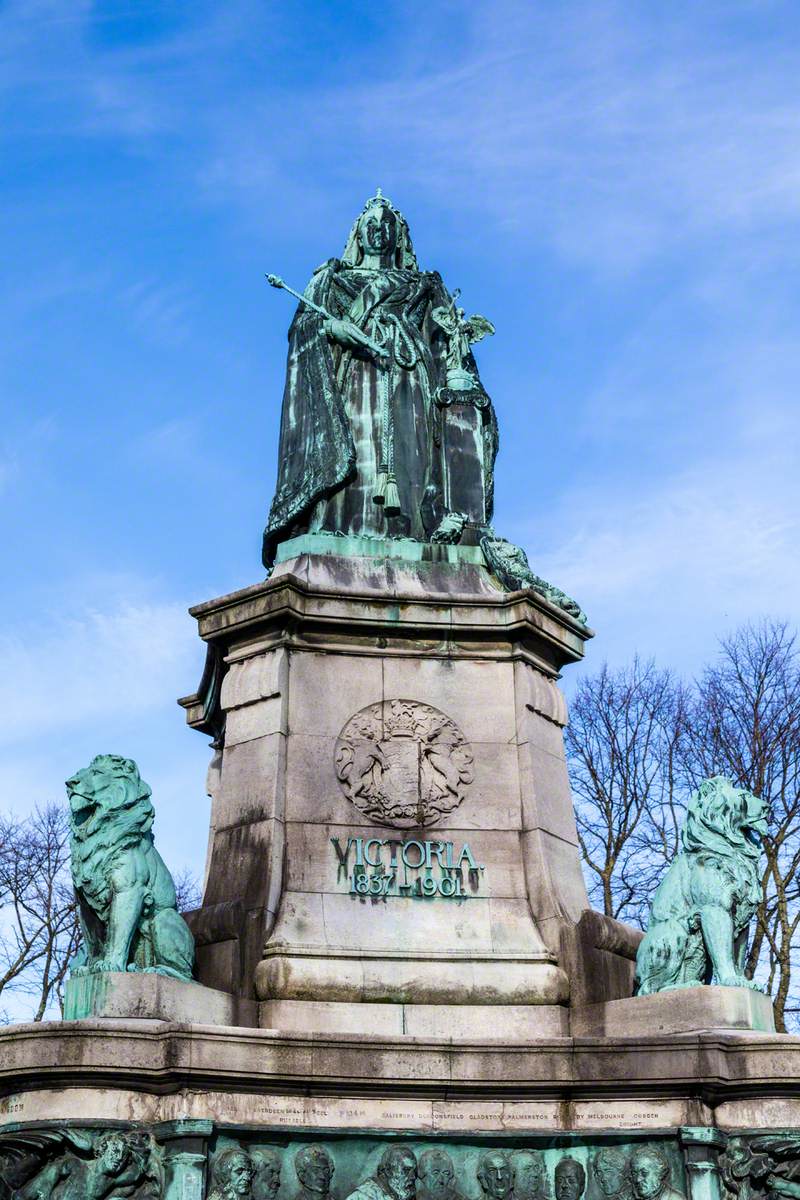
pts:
[403, 763]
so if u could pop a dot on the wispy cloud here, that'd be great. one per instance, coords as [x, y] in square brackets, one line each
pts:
[84, 667]
[24, 447]
[158, 310]
[612, 132]
[669, 568]
[613, 135]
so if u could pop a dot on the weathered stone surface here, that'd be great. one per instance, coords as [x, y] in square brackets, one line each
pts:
[478, 696]
[545, 793]
[325, 690]
[134, 996]
[340, 636]
[682, 1010]
[599, 956]
[437, 1116]
[303, 1016]
[312, 602]
[537, 693]
[448, 1021]
[260, 719]
[336, 643]
[313, 866]
[556, 887]
[261, 676]
[410, 980]
[252, 783]
[160, 1056]
[403, 764]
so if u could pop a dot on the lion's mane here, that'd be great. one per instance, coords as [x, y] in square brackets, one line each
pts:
[716, 818]
[718, 868]
[121, 815]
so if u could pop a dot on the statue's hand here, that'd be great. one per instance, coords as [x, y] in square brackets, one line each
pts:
[344, 332]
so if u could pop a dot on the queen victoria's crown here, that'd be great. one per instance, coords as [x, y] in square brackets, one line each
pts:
[377, 199]
[405, 250]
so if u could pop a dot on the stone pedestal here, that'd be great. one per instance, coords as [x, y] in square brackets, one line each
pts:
[682, 1010]
[140, 996]
[392, 822]
[395, 947]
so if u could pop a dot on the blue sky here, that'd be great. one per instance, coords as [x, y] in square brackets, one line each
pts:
[617, 186]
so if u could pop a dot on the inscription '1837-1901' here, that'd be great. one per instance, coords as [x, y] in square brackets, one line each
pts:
[382, 867]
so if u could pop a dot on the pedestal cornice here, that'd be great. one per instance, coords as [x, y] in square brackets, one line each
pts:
[158, 1057]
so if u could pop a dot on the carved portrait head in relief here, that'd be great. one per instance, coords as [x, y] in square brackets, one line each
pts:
[397, 1172]
[570, 1179]
[529, 1175]
[437, 1176]
[494, 1175]
[314, 1168]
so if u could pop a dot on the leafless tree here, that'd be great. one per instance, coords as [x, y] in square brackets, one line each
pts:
[39, 926]
[639, 742]
[746, 724]
[624, 742]
[188, 893]
[38, 920]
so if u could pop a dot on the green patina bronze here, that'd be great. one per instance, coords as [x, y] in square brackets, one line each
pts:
[387, 433]
[70, 1164]
[701, 912]
[125, 893]
[188, 1160]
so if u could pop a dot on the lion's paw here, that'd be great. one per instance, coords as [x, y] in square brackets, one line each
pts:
[739, 981]
[102, 965]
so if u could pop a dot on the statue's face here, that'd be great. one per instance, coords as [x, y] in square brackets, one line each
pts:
[316, 1171]
[399, 1173]
[377, 231]
[648, 1174]
[494, 1176]
[610, 1174]
[436, 1174]
[528, 1172]
[114, 1154]
[569, 1181]
[240, 1175]
[270, 1179]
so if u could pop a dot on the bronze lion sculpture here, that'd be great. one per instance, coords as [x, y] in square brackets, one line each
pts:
[125, 894]
[703, 906]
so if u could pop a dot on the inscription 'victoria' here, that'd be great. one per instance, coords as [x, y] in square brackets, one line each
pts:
[384, 867]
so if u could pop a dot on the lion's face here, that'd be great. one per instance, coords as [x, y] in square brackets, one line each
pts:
[108, 790]
[725, 819]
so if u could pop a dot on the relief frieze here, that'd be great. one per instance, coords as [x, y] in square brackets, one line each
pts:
[194, 1160]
